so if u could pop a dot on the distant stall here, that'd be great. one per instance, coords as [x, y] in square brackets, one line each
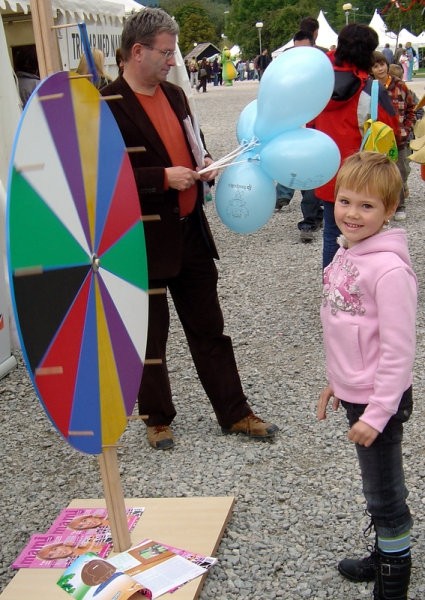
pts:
[202, 50]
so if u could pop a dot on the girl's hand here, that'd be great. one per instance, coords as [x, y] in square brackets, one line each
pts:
[362, 434]
[324, 398]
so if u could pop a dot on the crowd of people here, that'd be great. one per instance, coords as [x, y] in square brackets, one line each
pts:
[209, 70]
[405, 56]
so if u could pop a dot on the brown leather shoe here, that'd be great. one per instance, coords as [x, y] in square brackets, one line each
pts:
[160, 437]
[254, 427]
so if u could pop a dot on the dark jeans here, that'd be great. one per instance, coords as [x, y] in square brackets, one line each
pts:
[311, 206]
[194, 293]
[312, 209]
[382, 471]
[330, 234]
[202, 84]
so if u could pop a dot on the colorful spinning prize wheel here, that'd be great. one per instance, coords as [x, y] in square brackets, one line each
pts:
[77, 262]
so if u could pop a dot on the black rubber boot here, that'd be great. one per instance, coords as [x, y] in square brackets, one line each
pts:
[392, 577]
[363, 569]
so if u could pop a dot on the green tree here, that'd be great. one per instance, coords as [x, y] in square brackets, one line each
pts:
[212, 12]
[412, 20]
[280, 20]
[194, 30]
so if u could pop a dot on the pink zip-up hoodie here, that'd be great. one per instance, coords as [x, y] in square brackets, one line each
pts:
[368, 316]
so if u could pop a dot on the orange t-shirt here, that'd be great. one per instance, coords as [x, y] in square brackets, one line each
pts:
[167, 125]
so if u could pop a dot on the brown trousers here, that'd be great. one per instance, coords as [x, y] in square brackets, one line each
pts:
[194, 293]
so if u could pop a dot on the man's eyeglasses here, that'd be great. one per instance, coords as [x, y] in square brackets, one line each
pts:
[167, 54]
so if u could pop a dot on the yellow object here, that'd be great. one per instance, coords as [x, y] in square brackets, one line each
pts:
[418, 144]
[379, 137]
[229, 72]
[421, 103]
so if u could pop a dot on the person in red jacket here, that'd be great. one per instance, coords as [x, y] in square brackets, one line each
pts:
[349, 107]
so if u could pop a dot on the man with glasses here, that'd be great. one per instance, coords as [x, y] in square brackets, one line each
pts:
[154, 117]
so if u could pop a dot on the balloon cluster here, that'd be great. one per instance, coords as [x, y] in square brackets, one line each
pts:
[276, 145]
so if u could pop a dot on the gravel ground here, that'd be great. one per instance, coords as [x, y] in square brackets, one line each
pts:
[299, 506]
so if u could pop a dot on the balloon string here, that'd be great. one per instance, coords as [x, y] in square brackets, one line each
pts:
[228, 158]
[215, 167]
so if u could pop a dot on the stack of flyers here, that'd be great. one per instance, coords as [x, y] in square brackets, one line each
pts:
[74, 532]
[92, 577]
[94, 519]
[50, 551]
[150, 568]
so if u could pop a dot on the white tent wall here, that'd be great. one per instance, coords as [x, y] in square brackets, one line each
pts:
[10, 110]
[103, 19]
[389, 37]
[385, 37]
[326, 37]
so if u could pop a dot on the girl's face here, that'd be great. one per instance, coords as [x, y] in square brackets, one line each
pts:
[359, 215]
[380, 71]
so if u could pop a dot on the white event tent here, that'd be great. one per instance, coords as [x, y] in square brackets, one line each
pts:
[80, 8]
[326, 37]
[389, 37]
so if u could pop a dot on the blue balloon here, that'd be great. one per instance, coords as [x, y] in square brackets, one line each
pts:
[294, 89]
[301, 159]
[245, 197]
[245, 124]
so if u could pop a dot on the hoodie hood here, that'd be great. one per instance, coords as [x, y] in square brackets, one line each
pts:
[348, 82]
[388, 240]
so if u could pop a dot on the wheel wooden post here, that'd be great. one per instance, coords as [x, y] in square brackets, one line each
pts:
[46, 42]
[114, 498]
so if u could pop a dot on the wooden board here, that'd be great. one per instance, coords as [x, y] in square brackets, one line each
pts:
[195, 524]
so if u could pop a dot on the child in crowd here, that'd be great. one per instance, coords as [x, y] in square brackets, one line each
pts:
[404, 103]
[397, 71]
[99, 62]
[368, 316]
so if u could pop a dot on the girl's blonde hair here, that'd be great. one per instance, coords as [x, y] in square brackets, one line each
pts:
[99, 61]
[374, 173]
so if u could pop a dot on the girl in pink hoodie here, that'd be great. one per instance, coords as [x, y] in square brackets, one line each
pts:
[368, 315]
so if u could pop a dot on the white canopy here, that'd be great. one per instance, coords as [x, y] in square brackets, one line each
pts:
[421, 39]
[81, 8]
[391, 38]
[326, 37]
[385, 37]
[129, 5]
[405, 36]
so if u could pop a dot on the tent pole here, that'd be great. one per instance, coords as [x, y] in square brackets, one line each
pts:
[45, 38]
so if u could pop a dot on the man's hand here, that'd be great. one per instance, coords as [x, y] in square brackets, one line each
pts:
[181, 178]
[211, 174]
[322, 404]
[362, 434]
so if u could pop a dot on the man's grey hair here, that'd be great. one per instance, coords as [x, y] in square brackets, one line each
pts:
[144, 26]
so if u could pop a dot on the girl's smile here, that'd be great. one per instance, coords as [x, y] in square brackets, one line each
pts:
[359, 215]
